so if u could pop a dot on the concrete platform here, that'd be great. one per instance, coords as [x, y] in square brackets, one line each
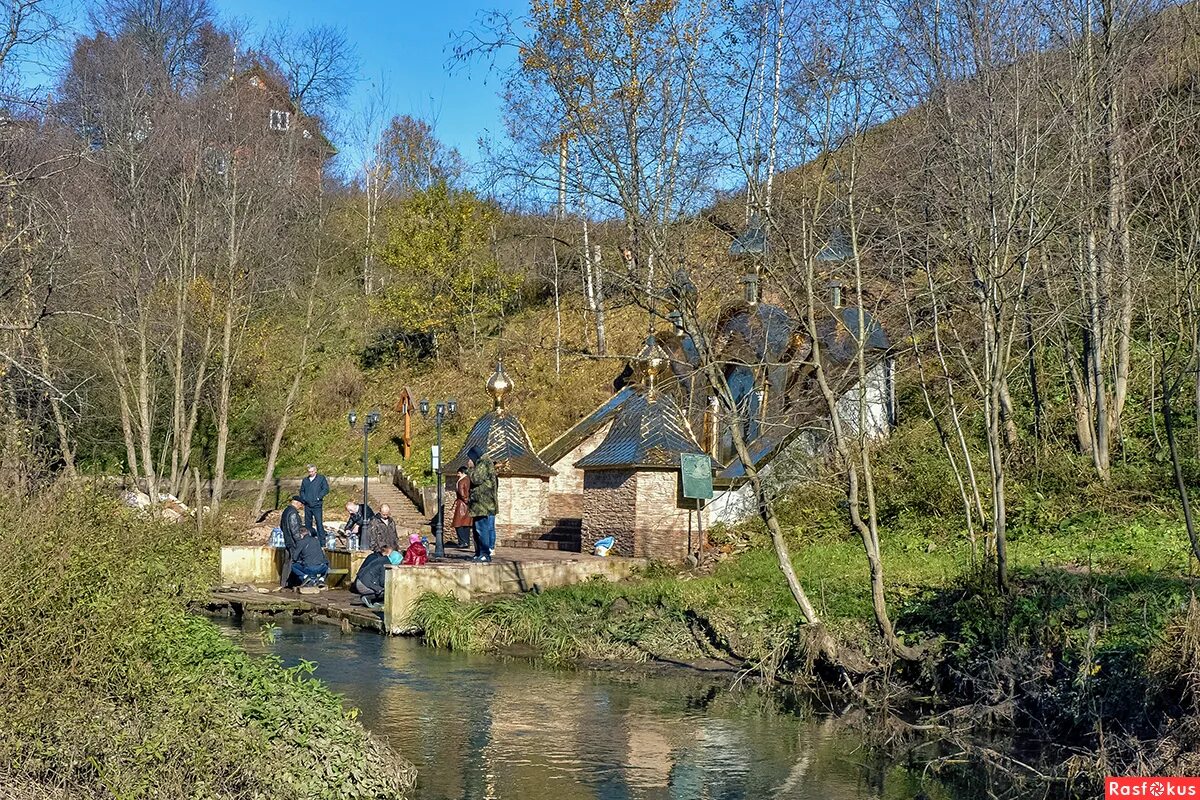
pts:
[244, 569]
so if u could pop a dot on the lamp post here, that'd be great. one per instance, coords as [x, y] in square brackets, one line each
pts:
[369, 422]
[440, 412]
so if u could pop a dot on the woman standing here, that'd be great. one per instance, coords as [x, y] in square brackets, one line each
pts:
[462, 521]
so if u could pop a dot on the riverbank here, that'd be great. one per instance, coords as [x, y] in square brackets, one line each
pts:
[1095, 648]
[109, 687]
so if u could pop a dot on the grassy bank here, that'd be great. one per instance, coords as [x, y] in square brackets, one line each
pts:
[108, 688]
[1096, 645]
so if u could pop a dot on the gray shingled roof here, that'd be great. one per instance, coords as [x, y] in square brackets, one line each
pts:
[500, 434]
[647, 432]
[581, 430]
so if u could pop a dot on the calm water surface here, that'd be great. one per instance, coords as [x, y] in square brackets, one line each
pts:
[480, 728]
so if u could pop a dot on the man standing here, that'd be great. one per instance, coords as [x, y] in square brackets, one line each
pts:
[289, 523]
[313, 488]
[381, 531]
[357, 517]
[484, 486]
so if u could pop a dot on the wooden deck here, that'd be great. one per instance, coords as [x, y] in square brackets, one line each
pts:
[336, 606]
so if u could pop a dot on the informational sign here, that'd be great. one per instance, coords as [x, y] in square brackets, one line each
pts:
[435, 455]
[695, 469]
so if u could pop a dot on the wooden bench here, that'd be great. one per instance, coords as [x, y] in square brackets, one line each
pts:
[335, 577]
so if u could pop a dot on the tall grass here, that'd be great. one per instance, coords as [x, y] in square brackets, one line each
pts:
[108, 687]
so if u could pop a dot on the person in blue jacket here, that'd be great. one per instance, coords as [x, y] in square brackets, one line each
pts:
[313, 488]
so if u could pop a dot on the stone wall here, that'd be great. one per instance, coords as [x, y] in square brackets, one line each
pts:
[665, 524]
[566, 487]
[404, 585]
[609, 500]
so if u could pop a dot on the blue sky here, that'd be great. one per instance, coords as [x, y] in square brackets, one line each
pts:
[404, 46]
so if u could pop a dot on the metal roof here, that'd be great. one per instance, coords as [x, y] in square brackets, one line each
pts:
[766, 331]
[649, 431]
[500, 434]
[581, 430]
[839, 334]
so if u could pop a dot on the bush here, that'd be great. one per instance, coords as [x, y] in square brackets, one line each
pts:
[109, 687]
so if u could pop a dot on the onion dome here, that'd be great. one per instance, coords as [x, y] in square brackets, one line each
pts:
[500, 434]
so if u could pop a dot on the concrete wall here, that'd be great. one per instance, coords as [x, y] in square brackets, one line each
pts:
[566, 488]
[876, 397]
[255, 564]
[609, 499]
[250, 565]
[405, 585]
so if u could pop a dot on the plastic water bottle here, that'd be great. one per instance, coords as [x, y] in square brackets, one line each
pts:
[352, 541]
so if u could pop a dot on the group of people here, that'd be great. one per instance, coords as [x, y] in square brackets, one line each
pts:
[306, 565]
[475, 505]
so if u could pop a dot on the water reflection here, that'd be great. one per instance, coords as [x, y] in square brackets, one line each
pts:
[482, 729]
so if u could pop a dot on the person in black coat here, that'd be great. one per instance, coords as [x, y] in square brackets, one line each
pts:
[309, 564]
[358, 516]
[371, 575]
[289, 523]
[313, 488]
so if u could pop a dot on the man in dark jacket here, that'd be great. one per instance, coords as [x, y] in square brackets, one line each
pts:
[484, 487]
[313, 488]
[381, 530]
[358, 515]
[371, 576]
[309, 564]
[289, 523]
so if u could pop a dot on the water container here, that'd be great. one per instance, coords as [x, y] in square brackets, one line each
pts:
[352, 541]
[276, 537]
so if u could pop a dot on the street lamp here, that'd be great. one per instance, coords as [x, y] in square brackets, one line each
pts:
[441, 411]
[369, 423]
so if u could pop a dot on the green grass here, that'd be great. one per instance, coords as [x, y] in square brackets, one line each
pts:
[110, 688]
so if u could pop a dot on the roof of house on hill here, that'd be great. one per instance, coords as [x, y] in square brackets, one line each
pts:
[260, 77]
[580, 431]
[649, 431]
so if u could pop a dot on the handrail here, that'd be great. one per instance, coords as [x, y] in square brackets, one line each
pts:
[409, 489]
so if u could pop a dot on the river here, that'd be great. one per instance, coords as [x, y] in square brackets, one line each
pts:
[481, 728]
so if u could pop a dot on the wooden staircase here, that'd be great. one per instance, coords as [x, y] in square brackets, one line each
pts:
[565, 534]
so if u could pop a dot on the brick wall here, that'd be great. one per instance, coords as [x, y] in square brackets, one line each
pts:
[609, 499]
[663, 527]
[566, 488]
[522, 505]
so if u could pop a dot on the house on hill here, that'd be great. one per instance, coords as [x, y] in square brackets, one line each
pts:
[267, 123]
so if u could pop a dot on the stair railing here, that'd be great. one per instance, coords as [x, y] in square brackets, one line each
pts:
[410, 490]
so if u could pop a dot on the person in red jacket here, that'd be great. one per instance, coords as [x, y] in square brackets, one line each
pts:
[415, 555]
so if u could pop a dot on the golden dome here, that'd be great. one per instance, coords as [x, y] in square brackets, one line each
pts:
[649, 365]
[499, 385]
